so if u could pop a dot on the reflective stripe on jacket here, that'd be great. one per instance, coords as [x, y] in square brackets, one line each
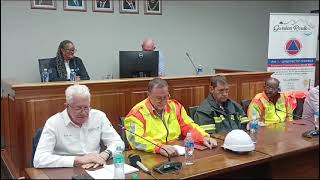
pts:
[143, 121]
[214, 118]
[267, 110]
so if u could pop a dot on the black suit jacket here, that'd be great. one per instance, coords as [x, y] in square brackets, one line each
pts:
[75, 63]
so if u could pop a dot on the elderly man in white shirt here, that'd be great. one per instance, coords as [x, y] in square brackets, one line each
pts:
[72, 137]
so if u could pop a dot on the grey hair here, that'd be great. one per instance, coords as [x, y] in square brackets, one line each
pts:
[77, 90]
[215, 80]
[157, 83]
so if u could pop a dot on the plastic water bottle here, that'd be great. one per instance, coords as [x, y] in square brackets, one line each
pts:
[189, 147]
[199, 70]
[72, 75]
[118, 161]
[316, 120]
[254, 126]
[45, 75]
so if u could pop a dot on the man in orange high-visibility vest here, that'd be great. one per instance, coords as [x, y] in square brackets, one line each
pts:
[160, 120]
[271, 106]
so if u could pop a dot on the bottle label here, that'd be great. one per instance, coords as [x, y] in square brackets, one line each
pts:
[118, 159]
[189, 144]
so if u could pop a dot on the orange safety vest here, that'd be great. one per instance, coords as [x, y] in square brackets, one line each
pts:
[142, 120]
[266, 110]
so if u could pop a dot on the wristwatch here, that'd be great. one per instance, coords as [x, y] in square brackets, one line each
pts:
[109, 153]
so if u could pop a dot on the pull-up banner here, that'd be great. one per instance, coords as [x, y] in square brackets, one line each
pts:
[293, 48]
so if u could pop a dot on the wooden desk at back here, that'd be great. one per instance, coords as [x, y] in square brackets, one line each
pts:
[281, 151]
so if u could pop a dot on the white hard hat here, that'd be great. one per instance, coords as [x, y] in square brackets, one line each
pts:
[239, 141]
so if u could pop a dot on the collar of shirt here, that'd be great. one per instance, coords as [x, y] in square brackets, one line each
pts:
[214, 103]
[153, 111]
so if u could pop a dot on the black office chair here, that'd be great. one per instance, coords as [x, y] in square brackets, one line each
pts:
[297, 112]
[245, 104]
[44, 63]
[192, 111]
[123, 135]
[35, 141]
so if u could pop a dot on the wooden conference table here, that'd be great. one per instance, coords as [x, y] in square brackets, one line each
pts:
[281, 152]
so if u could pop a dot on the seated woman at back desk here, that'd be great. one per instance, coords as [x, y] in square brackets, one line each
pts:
[65, 60]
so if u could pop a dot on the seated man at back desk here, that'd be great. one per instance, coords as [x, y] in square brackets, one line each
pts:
[149, 45]
[161, 120]
[72, 137]
[271, 106]
[218, 113]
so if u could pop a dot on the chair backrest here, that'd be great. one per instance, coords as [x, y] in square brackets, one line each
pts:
[123, 135]
[44, 63]
[297, 112]
[35, 141]
[192, 111]
[245, 104]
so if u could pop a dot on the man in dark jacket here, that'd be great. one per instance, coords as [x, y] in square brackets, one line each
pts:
[218, 113]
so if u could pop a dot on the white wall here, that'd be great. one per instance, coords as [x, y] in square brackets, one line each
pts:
[217, 34]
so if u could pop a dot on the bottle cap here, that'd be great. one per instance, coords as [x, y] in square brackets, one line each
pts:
[189, 134]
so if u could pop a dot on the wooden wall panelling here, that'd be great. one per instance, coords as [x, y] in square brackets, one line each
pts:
[190, 96]
[250, 89]
[37, 113]
[135, 97]
[113, 104]
[233, 91]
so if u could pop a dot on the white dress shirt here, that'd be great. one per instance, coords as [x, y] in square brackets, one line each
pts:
[62, 140]
[311, 103]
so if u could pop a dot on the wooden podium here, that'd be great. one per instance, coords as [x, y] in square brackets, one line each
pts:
[26, 106]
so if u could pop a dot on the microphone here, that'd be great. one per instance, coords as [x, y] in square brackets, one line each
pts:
[135, 161]
[195, 68]
[162, 168]
[310, 133]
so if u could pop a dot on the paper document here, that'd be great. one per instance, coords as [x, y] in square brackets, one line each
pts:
[180, 149]
[107, 172]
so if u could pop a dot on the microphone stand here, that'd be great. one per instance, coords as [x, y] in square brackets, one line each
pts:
[162, 168]
[195, 68]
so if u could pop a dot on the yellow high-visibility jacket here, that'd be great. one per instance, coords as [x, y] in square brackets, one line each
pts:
[144, 121]
[279, 112]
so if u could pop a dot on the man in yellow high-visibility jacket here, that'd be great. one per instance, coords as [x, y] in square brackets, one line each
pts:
[161, 120]
[271, 106]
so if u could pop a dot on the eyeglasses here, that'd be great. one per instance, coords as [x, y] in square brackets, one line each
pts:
[270, 88]
[163, 98]
[71, 50]
[79, 109]
[221, 91]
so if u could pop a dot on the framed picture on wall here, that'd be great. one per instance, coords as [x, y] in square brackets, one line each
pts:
[75, 5]
[129, 6]
[153, 7]
[43, 4]
[102, 5]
